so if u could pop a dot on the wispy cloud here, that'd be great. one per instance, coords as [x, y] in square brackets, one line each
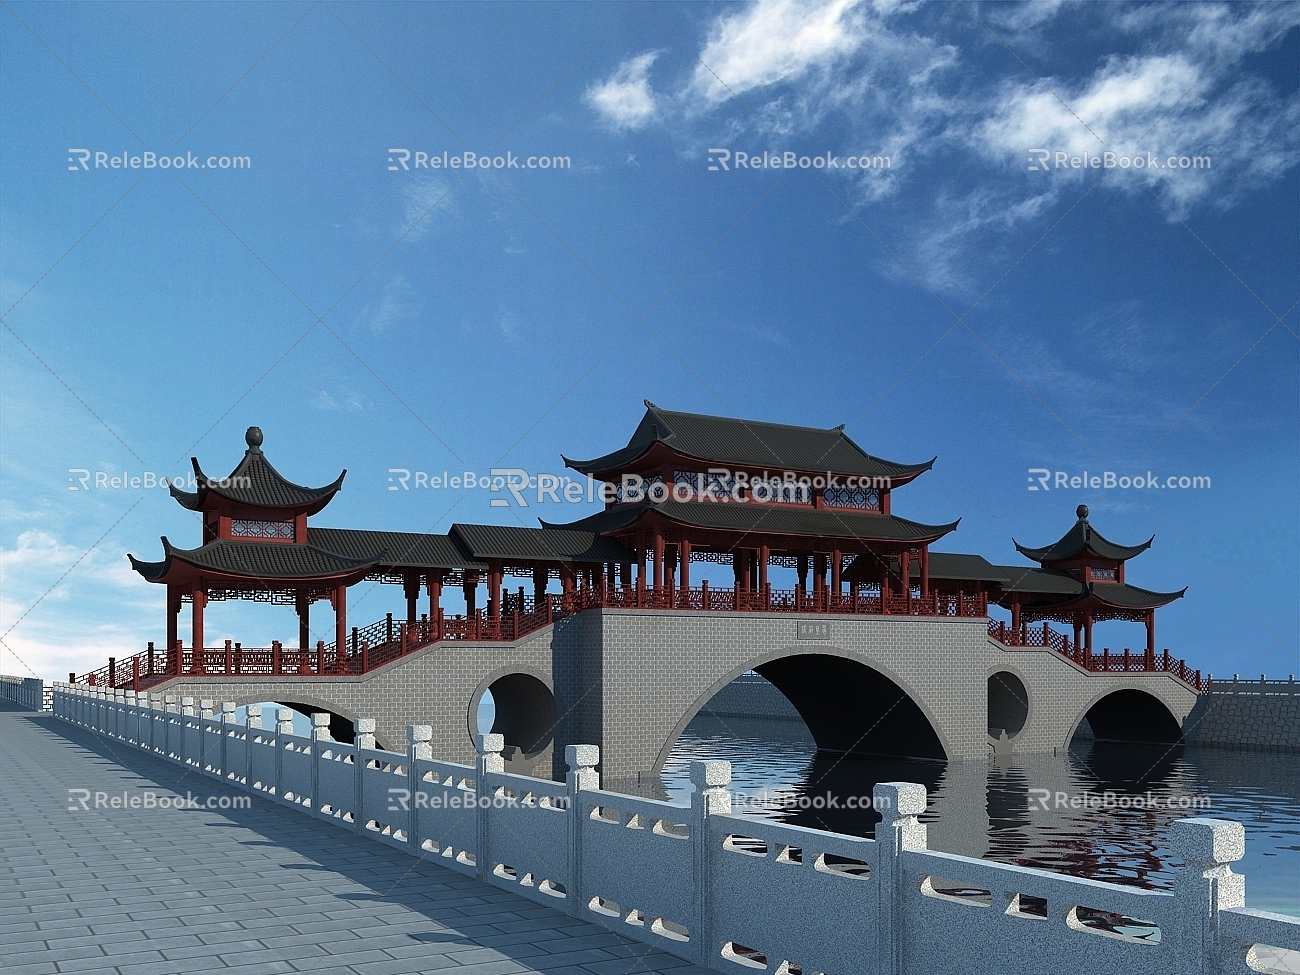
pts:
[624, 99]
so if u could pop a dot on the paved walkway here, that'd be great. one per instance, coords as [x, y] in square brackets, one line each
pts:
[254, 892]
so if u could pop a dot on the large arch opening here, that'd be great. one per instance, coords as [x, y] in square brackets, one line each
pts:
[520, 708]
[852, 709]
[1132, 715]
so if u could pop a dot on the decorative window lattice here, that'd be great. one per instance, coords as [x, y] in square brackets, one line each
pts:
[1104, 575]
[248, 528]
[844, 497]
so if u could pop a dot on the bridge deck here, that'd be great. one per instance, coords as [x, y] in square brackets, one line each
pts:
[255, 891]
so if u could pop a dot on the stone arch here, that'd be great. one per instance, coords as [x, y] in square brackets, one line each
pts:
[1008, 702]
[525, 710]
[856, 686]
[1130, 714]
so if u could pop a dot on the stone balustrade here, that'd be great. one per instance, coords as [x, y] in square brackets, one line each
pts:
[27, 691]
[726, 892]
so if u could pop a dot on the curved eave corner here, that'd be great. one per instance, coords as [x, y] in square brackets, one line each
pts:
[153, 571]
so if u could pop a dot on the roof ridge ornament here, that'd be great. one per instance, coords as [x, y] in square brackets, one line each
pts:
[253, 437]
[1082, 512]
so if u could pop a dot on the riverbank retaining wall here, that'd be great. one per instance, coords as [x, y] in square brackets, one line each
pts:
[1262, 715]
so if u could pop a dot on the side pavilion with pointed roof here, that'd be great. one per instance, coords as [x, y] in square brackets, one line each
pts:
[1081, 581]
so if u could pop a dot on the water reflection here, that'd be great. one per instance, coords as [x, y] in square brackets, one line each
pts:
[1038, 811]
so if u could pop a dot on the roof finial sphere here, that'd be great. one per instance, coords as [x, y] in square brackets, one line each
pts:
[1081, 511]
[253, 437]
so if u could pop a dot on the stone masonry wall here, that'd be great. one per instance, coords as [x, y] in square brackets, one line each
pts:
[1248, 721]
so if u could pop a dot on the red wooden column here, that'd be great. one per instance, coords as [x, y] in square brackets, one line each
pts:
[819, 573]
[837, 561]
[764, 556]
[1151, 640]
[801, 567]
[541, 576]
[411, 587]
[433, 586]
[470, 587]
[905, 575]
[495, 574]
[884, 584]
[925, 571]
[659, 559]
[200, 600]
[684, 555]
[1015, 619]
[304, 619]
[746, 580]
[173, 615]
[1087, 631]
[340, 601]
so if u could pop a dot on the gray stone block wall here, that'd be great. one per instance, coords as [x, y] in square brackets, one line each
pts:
[631, 680]
[1245, 720]
[1060, 692]
[749, 696]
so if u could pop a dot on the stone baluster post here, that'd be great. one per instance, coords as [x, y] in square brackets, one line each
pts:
[899, 803]
[365, 740]
[131, 718]
[320, 734]
[283, 727]
[418, 749]
[1205, 886]
[187, 721]
[227, 729]
[489, 762]
[710, 798]
[209, 751]
[582, 776]
[252, 724]
[170, 747]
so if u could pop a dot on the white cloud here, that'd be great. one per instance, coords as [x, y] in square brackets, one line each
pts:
[624, 99]
[777, 41]
[424, 200]
[1140, 105]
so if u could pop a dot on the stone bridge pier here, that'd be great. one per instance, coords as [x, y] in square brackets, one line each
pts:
[631, 680]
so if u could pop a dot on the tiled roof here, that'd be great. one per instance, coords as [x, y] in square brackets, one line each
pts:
[401, 550]
[539, 544]
[749, 443]
[768, 519]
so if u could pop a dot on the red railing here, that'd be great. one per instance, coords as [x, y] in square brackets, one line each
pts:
[387, 640]
[1142, 662]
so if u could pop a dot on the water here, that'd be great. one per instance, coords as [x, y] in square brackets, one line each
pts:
[988, 809]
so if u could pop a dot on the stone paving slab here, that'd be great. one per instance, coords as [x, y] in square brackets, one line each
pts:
[260, 891]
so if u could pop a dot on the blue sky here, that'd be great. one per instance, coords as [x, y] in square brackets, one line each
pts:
[953, 304]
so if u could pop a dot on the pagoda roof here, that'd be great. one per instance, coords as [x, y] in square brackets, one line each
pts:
[748, 443]
[255, 561]
[848, 523]
[398, 550]
[1117, 596]
[513, 544]
[1082, 538]
[255, 483]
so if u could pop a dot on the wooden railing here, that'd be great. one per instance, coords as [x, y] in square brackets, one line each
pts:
[1142, 662]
